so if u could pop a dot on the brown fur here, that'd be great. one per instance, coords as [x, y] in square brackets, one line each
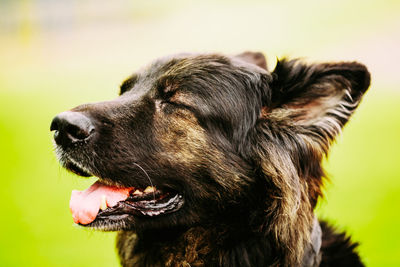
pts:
[242, 146]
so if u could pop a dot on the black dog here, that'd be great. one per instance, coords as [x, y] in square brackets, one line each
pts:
[208, 160]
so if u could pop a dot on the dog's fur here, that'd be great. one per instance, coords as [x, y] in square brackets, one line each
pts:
[242, 145]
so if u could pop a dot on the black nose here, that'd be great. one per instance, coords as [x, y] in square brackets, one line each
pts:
[71, 127]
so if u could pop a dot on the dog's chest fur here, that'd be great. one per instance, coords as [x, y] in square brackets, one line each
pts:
[196, 246]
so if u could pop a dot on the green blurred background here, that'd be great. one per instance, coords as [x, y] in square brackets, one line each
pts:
[55, 55]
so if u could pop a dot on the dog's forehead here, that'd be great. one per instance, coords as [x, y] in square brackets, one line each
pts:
[200, 62]
[196, 74]
[183, 65]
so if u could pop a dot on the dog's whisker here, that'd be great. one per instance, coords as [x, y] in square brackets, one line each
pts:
[148, 177]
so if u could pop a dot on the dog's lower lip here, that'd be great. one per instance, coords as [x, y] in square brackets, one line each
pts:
[164, 204]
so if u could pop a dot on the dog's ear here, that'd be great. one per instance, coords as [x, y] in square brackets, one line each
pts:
[256, 58]
[304, 108]
[320, 97]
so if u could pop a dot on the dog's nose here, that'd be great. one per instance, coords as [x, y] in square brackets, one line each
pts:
[71, 127]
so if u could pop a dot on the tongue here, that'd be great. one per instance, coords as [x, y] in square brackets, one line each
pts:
[85, 205]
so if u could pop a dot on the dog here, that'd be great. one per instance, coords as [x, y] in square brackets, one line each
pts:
[213, 160]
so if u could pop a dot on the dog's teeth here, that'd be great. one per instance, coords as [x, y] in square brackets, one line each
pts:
[149, 189]
[138, 192]
[103, 204]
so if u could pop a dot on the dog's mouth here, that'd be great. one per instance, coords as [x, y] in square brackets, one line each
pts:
[111, 207]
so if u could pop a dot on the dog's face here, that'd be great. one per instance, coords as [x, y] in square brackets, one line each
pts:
[192, 138]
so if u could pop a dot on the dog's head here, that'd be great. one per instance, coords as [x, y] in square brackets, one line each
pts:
[197, 138]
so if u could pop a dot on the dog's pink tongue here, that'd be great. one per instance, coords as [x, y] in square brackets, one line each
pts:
[85, 205]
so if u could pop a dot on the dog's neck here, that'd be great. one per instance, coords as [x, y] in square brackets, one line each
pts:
[197, 246]
[207, 246]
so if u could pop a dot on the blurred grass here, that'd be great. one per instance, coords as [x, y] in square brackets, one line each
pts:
[44, 72]
[364, 170]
